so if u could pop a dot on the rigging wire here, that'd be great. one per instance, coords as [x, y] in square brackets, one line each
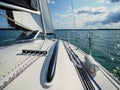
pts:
[68, 36]
[74, 24]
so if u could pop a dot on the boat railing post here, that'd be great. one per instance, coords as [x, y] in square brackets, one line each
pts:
[90, 42]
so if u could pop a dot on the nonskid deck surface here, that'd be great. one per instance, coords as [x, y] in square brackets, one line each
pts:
[33, 76]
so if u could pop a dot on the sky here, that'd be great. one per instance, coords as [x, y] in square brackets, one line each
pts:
[86, 14]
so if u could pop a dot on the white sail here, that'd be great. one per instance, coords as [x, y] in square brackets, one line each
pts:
[47, 23]
[28, 20]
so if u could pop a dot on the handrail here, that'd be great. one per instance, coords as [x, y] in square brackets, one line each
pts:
[52, 64]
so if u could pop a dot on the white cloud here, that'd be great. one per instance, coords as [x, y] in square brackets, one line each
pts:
[51, 1]
[64, 21]
[88, 18]
[101, 1]
[69, 15]
[63, 25]
[56, 14]
[88, 15]
[64, 16]
[91, 10]
[69, 9]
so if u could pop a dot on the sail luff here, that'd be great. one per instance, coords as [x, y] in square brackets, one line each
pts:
[47, 22]
[40, 8]
[50, 19]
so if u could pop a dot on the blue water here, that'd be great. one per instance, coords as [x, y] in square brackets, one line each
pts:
[104, 45]
[7, 37]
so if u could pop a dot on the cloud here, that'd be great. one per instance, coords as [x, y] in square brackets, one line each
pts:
[112, 20]
[63, 20]
[63, 16]
[56, 14]
[60, 24]
[51, 1]
[88, 17]
[113, 17]
[69, 15]
[113, 1]
[69, 9]
[63, 25]
[101, 1]
[91, 10]
[90, 14]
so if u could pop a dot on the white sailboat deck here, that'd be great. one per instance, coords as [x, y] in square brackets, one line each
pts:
[65, 78]
[102, 78]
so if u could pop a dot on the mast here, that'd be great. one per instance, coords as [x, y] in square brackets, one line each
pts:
[44, 33]
[46, 18]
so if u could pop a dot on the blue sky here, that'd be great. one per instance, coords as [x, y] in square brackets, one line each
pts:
[3, 20]
[89, 14]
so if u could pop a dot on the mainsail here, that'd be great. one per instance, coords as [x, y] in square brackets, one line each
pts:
[29, 14]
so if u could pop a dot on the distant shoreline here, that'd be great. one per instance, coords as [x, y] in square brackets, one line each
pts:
[86, 29]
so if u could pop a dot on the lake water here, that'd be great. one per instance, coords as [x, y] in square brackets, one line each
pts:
[104, 45]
